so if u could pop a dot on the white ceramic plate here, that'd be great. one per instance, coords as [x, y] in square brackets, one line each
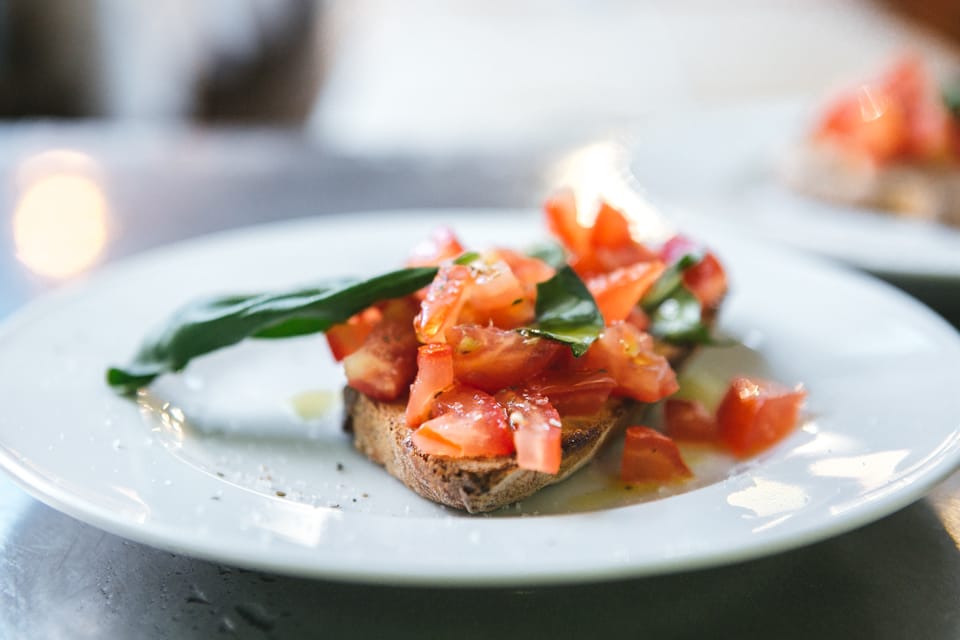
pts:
[254, 484]
[721, 163]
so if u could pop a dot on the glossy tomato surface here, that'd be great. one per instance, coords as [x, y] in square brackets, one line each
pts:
[650, 456]
[755, 414]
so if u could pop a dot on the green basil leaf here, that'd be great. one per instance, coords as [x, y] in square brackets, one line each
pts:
[207, 325]
[566, 312]
[467, 258]
[951, 97]
[668, 282]
[678, 319]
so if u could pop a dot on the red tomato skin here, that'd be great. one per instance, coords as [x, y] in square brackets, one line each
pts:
[530, 271]
[465, 423]
[688, 420]
[627, 354]
[899, 116]
[442, 244]
[610, 228]
[755, 414]
[491, 359]
[575, 392]
[345, 338]
[443, 302]
[561, 211]
[650, 456]
[497, 296]
[618, 292]
[538, 432]
[707, 280]
[386, 364]
[434, 376]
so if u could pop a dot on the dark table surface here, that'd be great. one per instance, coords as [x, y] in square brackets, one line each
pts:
[60, 578]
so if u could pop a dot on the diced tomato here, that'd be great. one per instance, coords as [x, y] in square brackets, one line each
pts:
[611, 228]
[619, 291]
[537, 429]
[574, 392]
[441, 245]
[347, 337]
[491, 359]
[755, 414]
[706, 280]
[386, 364]
[443, 301]
[497, 296]
[561, 210]
[900, 115]
[689, 420]
[434, 376]
[529, 271]
[604, 259]
[638, 318]
[495, 285]
[868, 122]
[467, 423]
[628, 355]
[650, 456]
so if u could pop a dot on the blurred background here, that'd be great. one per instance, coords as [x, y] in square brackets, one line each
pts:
[163, 120]
[380, 76]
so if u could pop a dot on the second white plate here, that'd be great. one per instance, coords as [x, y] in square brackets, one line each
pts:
[721, 163]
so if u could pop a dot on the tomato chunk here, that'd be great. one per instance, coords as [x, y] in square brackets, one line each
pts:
[689, 420]
[466, 423]
[706, 280]
[619, 291]
[899, 115]
[492, 359]
[755, 414]
[347, 337]
[650, 456]
[529, 271]
[575, 392]
[434, 376]
[443, 302]
[561, 210]
[497, 296]
[386, 364]
[441, 245]
[627, 354]
[537, 433]
[610, 228]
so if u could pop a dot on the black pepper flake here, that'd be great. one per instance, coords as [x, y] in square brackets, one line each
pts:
[339, 466]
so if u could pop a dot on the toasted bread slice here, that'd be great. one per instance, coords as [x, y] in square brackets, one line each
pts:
[472, 484]
[911, 190]
[484, 484]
